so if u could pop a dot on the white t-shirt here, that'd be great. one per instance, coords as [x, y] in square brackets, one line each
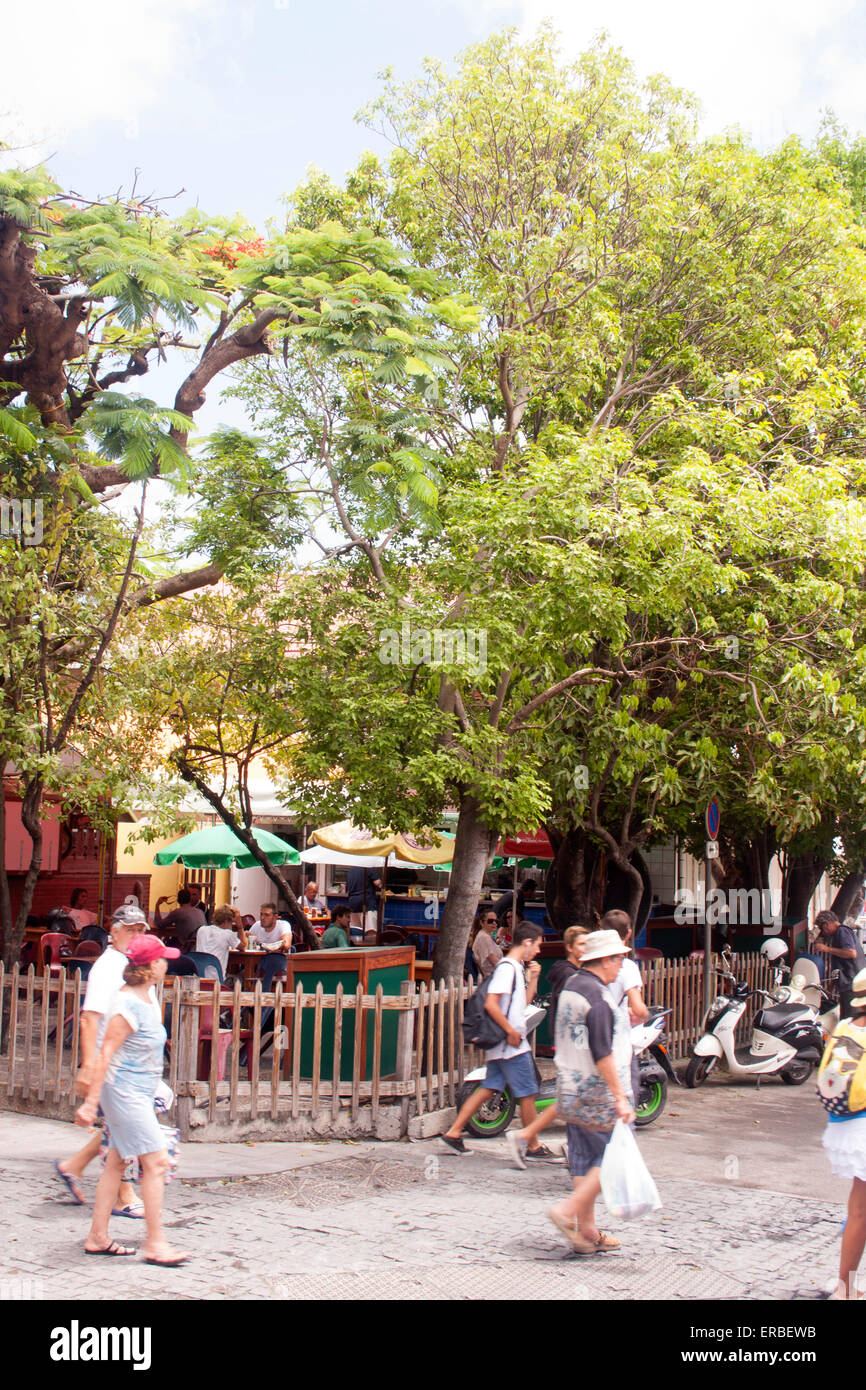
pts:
[103, 985]
[508, 979]
[280, 929]
[629, 977]
[217, 941]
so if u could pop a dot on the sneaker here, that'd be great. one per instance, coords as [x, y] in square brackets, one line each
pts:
[541, 1155]
[453, 1146]
[517, 1148]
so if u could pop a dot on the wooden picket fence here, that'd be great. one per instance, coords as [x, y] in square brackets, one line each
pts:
[679, 985]
[279, 1055]
[346, 1062]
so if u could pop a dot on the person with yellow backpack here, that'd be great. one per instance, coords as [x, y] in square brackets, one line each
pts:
[842, 1089]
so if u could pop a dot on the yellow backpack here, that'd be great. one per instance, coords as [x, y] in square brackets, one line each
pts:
[842, 1073]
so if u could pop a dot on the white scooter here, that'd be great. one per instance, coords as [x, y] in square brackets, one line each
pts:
[806, 977]
[787, 1039]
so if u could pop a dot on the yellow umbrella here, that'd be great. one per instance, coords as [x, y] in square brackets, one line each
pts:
[348, 838]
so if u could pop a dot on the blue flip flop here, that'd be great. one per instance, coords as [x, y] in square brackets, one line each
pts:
[74, 1191]
[128, 1211]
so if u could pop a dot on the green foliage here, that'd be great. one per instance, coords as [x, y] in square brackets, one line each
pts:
[132, 429]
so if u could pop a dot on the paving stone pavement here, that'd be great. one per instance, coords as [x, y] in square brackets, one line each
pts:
[401, 1221]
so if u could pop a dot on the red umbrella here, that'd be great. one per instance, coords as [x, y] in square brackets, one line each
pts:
[534, 843]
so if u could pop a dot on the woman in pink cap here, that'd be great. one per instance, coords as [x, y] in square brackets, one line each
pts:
[127, 1074]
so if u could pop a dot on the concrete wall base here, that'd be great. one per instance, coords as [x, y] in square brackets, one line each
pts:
[307, 1126]
[433, 1123]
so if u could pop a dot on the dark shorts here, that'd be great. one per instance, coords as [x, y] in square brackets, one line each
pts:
[585, 1148]
[517, 1073]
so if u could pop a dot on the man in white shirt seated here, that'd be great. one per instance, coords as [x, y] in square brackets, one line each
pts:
[271, 932]
[226, 933]
[311, 902]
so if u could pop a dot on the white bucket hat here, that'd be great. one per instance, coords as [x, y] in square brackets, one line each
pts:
[603, 943]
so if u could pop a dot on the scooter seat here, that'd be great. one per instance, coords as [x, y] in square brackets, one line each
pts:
[777, 1016]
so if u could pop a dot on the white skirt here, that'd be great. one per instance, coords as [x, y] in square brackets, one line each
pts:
[845, 1143]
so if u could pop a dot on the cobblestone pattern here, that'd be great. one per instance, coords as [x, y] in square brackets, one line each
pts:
[407, 1223]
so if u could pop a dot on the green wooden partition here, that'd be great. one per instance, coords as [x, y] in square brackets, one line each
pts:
[370, 967]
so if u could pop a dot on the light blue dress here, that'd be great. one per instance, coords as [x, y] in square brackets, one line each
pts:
[132, 1079]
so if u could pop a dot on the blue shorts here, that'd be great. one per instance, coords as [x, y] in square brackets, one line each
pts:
[517, 1073]
[585, 1148]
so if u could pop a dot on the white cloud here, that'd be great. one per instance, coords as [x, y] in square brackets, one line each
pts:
[767, 65]
[67, 67]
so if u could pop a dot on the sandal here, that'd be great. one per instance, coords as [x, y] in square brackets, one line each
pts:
[74, 1189]
[607, 1243]
[166, 1264]
[133, 1209]
[112, 1249]
[579, 1243]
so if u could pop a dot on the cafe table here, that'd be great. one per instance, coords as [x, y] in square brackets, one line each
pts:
[247, 962]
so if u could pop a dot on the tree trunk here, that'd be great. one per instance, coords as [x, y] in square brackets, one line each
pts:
[846, 899]
[473, 848]
[14, 929]
[802, 876]
[744, 863]
[5, 896]
[571, 882]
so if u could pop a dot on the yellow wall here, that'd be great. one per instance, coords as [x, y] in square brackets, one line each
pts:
[165, 880]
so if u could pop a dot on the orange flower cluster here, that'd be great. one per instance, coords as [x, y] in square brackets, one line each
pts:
[228, 252]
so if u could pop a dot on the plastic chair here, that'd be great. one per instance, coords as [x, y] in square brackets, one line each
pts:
[271, 966]
[207, 966]
[181, 966]
[248, 920]
[94, 934]
[88, 950]
[224, 1040]
[49, 951]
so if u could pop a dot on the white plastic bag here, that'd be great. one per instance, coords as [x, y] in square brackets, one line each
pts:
[626, 1184]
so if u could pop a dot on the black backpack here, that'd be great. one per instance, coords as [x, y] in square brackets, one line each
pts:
[479, 1028]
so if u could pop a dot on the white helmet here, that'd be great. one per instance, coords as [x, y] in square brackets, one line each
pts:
[774, 949]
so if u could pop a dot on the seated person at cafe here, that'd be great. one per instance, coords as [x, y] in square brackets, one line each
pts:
[505, 903]
[271, 932]
[183, 923]
[225, 934]
[79, 911]
[337, 934]
[311, 902]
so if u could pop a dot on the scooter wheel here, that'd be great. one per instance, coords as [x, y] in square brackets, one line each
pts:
[653, 1104]
[796, 1073]
[698, 1070]
[493, 1117]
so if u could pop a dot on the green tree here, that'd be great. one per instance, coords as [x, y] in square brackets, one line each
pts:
[665, 325]
[91, 296]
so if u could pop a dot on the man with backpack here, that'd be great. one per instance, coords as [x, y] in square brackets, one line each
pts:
[510, 990]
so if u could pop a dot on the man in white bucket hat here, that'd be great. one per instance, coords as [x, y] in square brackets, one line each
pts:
[593, 1088]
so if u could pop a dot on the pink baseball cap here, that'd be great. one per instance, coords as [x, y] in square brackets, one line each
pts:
[145, 949]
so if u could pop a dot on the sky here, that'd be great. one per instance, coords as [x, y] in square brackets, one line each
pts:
[230, 102]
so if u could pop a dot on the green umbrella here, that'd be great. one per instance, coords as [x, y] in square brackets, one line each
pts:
[217, 847]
